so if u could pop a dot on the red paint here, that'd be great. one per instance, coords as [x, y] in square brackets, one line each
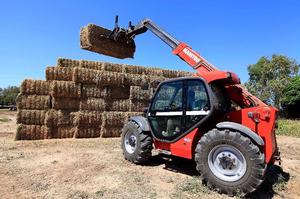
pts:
[184, 147]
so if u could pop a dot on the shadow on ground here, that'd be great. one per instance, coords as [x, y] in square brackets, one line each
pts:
[276, 178]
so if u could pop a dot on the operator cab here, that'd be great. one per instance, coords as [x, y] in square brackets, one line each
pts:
[179, 106]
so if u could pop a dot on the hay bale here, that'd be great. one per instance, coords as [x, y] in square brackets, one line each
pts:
[65, 89]
[62, 132]
[88, 119]
[94, 91]
[93, 104]
[136, 80]
[56, 118]
[133, 69]
[118, 92]
[32, 87]
[59, 73]
[31, 117]
[62, 62]
[138, 94]
[116, 118]
[102, 78]
[118, 105]
[38, 102]
[65, 103]
[83, 132]
[32, 132]
[107, 132]
[93, 38]
[138, 106]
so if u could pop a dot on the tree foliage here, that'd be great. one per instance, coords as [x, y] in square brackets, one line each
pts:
[8, 95]
[291, 98]
[269, 77]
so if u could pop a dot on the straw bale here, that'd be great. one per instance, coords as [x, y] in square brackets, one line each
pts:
[62, 132]
[109, 131]
[88, 119]
[59, 73]
[133, 69]
[137, 93]
[62, 62]
[138, 106]
[31, 117]
[32, 132]
[93, 38]
[116, 118]
[65, 103]
[39, 102]
[102, 78]
[94, 91]
[118, 105]
[83, 132]
[65, 89]
[119, 92]
[38, 87]
[136, 80]
[56, 118]
[93, 104]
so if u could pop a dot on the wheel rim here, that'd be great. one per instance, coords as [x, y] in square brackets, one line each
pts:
[130, 142]
[227, 163]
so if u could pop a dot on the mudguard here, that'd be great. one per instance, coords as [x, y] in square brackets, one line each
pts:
[142, 122]
[243, 130]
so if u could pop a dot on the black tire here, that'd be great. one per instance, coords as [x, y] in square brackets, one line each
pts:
[254, 168]
[143, 143]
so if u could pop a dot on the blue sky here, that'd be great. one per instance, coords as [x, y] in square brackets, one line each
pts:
[230, 34]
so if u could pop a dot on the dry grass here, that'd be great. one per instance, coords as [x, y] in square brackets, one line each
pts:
[288, 127]
[35, 87]
[66, 89]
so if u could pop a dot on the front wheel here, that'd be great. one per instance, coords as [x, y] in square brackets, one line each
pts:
[136, 143]
[230, 162]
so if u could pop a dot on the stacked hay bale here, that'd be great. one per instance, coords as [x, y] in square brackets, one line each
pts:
[85, 99]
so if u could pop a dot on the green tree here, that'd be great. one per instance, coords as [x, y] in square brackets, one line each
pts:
[269, 76]
[291, 98]
[8, 95]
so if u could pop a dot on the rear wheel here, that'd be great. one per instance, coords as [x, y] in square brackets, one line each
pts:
[136, 143]
[229, 162]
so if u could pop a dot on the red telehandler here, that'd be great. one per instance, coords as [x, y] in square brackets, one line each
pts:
[209, 118]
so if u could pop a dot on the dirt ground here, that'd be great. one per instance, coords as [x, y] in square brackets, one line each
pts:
[95, 168]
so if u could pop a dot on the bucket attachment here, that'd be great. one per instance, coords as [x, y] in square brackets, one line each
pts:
[116, 43]
[98, 39]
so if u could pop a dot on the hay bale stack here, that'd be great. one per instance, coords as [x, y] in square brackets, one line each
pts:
[82, 99]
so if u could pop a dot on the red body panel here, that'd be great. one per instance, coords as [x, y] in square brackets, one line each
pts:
[261, 123]
[184, 147]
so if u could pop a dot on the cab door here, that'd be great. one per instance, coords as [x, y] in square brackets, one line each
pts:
[166, 111]
[177, 107]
